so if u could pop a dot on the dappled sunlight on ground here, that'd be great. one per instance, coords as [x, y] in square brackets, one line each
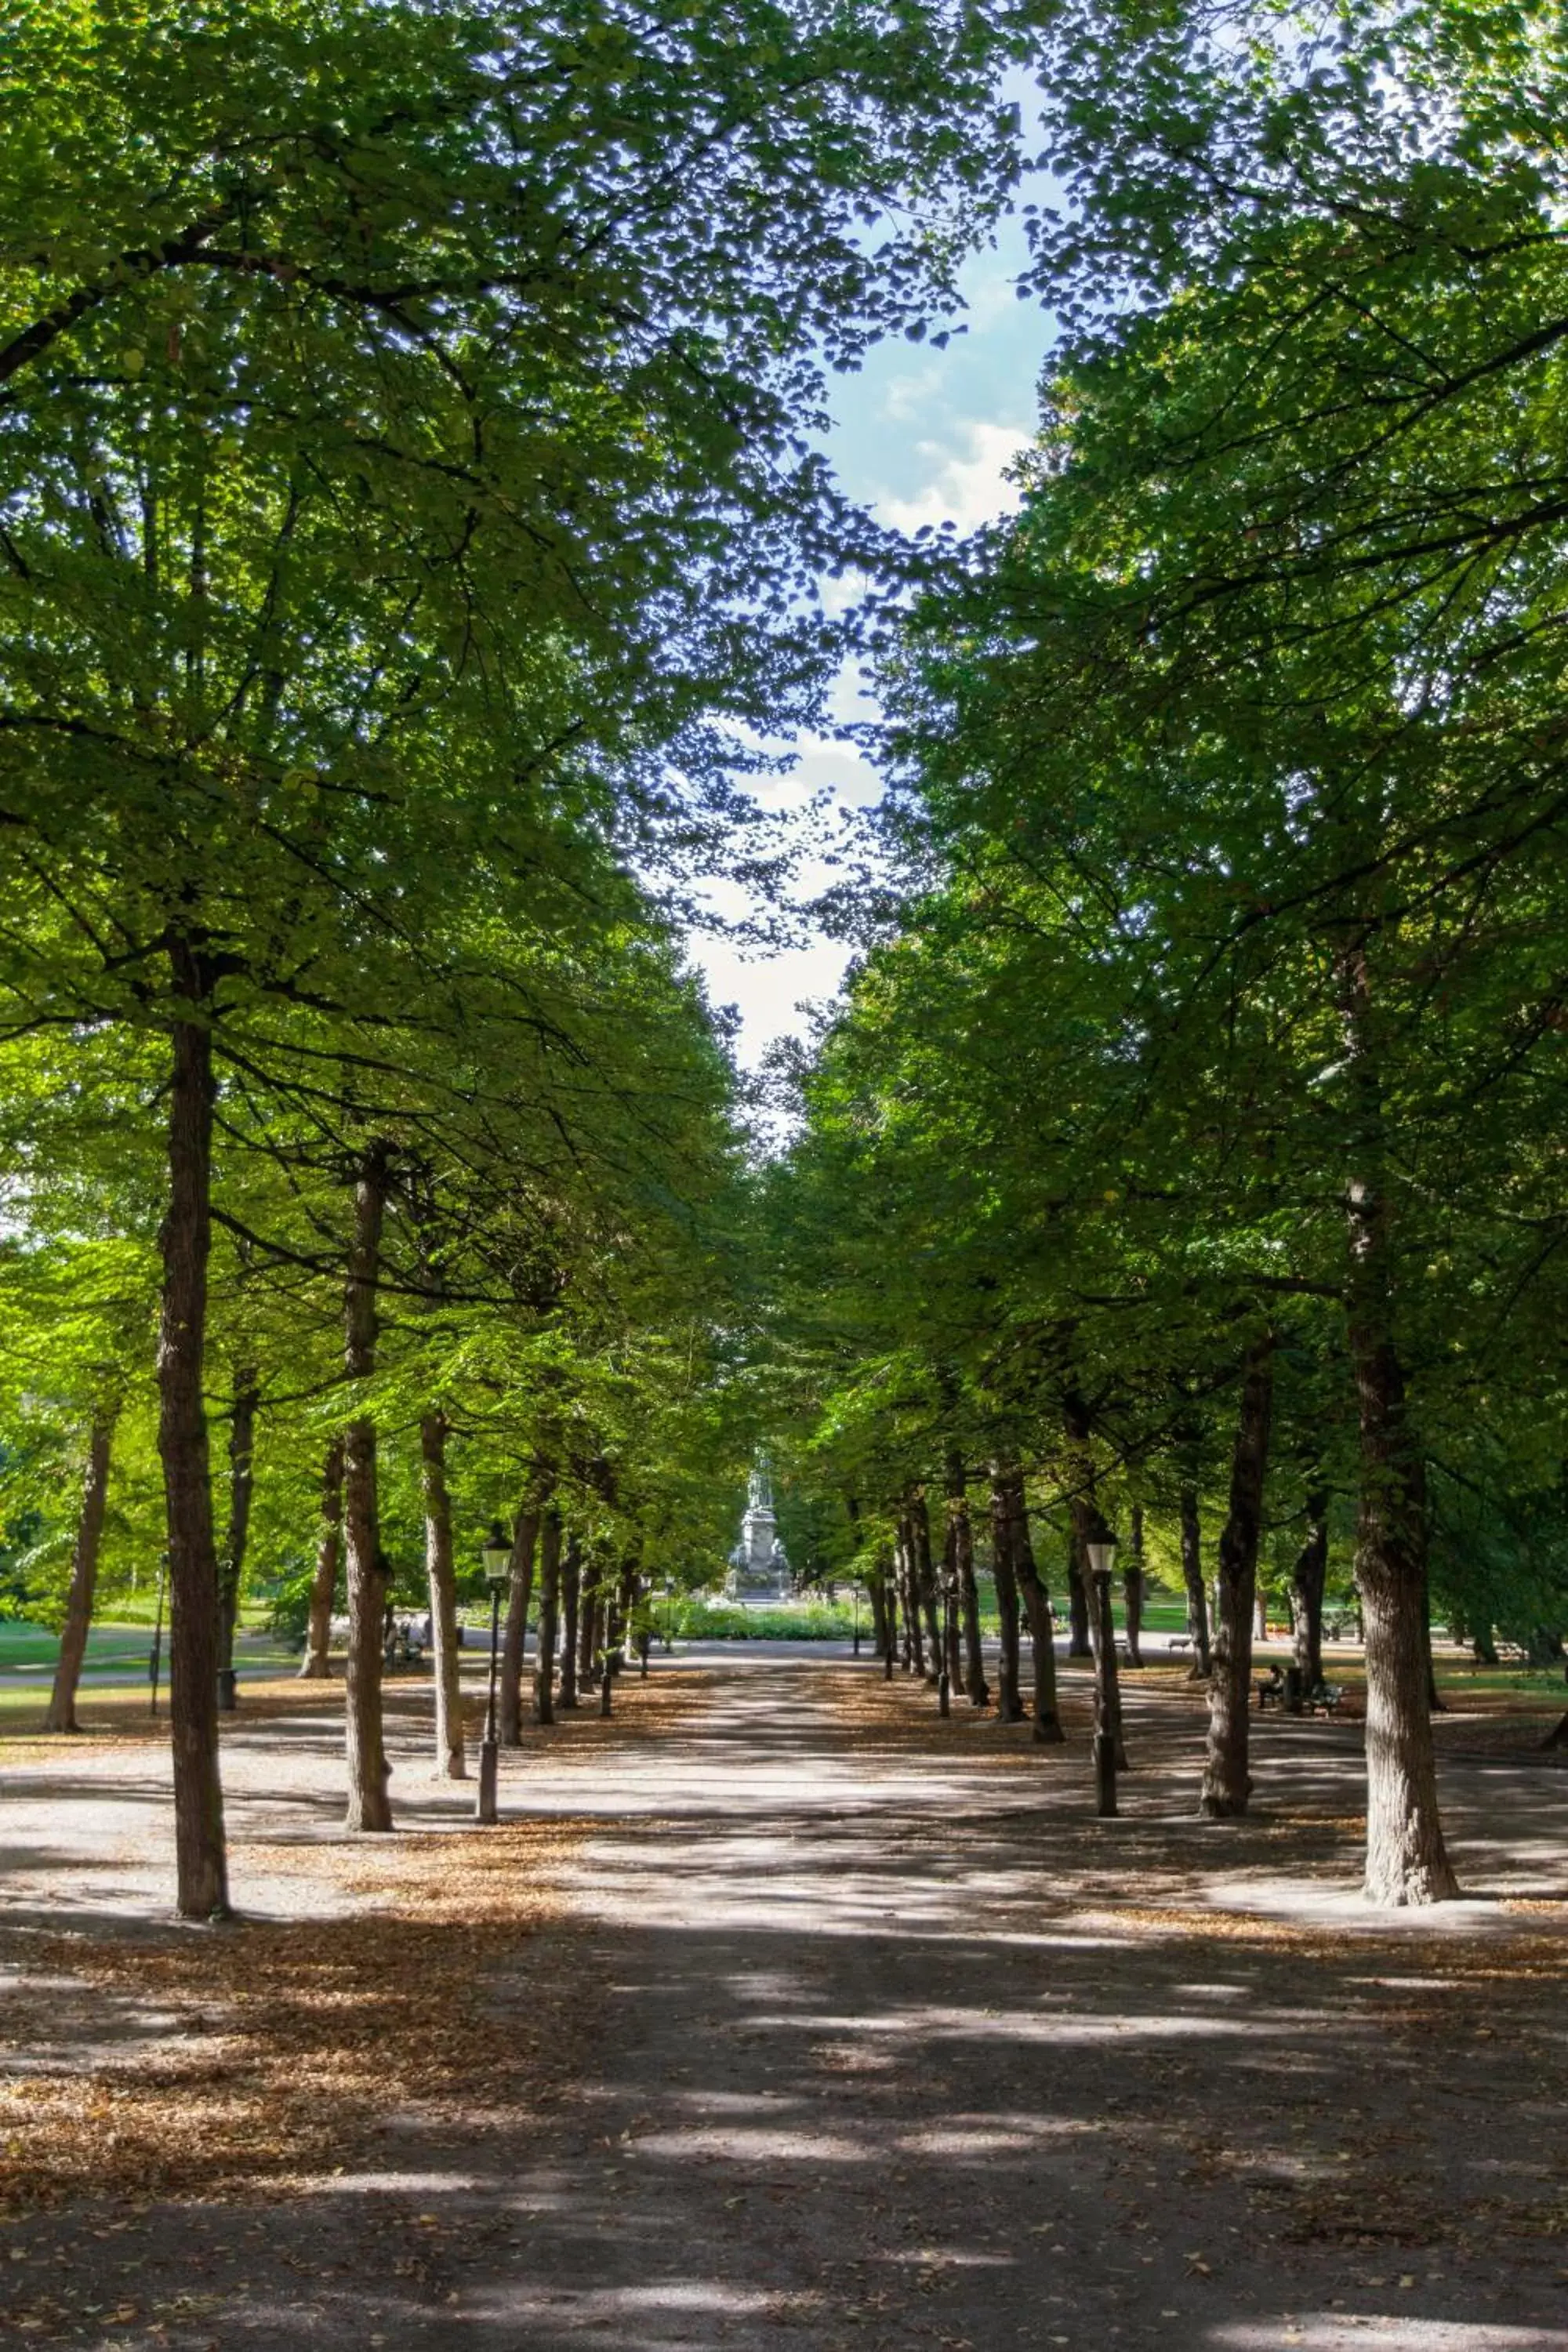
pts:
[785, 2015]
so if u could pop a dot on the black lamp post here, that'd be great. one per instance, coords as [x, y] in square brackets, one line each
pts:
[1102, 1560]
[496, 1553]
[855, 1607]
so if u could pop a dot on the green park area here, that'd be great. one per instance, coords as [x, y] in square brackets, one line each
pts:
[784, 1065]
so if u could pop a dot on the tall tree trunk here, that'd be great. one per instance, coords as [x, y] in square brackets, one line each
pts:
[1047, 1712]
[518, 1593]
[549, 1614]
[441, 1573]
[1193, 1577]
[571, 1595]
[952, 1632]
[241, 1490]
[316, 1664]
[1089, 1526]
[369, 1807]
[1407, 1861]
[877, 1598]
[1308, 1578]
[1226, 1783]
[1132, 1585]
[185, 1240]
[961, 1536]
[1080, 1638]
[588, 1633]
[61, 1714]
[1009, 1703]
[925, 1580]
[1260, 1615]
[908, 1598]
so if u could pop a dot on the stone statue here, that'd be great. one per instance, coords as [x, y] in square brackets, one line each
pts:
[759, 1565]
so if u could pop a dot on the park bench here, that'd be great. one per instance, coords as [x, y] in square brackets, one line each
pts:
[1286, 1690]
[1180, 1642]
[404, 1645]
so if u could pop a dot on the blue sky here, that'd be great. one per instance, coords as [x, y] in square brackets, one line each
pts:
[920, 436]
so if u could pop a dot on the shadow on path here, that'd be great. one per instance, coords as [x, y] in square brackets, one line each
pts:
[874, 2037]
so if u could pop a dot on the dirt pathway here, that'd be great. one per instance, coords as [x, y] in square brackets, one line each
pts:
[859, 2031]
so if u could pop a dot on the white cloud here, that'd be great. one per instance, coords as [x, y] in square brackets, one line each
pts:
[906, 396]
[965, 485]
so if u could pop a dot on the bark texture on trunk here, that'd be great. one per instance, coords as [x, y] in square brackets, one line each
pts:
[185, 1241]
[909, 1599]
[1227, 1782]
[1307, 1578]
[960, 1537]
[316, 1664]
[877, 1598]
[61, 1714]
[369, 1805]
[241, 1491]
[1046, 1711]
[1081, 1639]
[571, 1595]
[441, 1576]
[549, 1614]
[514, 1635]
[1132, 1586]
[952, 1627]
[588, 1633]
[1009, 1699]
[1193, 1577]
[1406, 1860]
[925, 1580]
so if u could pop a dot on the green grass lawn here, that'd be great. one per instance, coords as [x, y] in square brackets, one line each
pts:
[29, 1651]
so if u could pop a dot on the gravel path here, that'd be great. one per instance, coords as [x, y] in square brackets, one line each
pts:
[870, 2036]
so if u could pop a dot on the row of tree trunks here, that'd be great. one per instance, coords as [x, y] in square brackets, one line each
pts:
[589, 1638]
[1227, 1781]
[1009, 1696]
[316, 1664]
[877, 1600]
[1010, 1528]
[549, 1614]
[924, 1574]
[243, 1411]
[514, 1633]
[441, 1577]
[570, 1600]
[61, 1711]
[369, 1804]
[914, 1643]
[960, 1546]
[1089, 1526]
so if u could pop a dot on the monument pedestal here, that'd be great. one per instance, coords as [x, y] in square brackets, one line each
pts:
[759, 1568]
